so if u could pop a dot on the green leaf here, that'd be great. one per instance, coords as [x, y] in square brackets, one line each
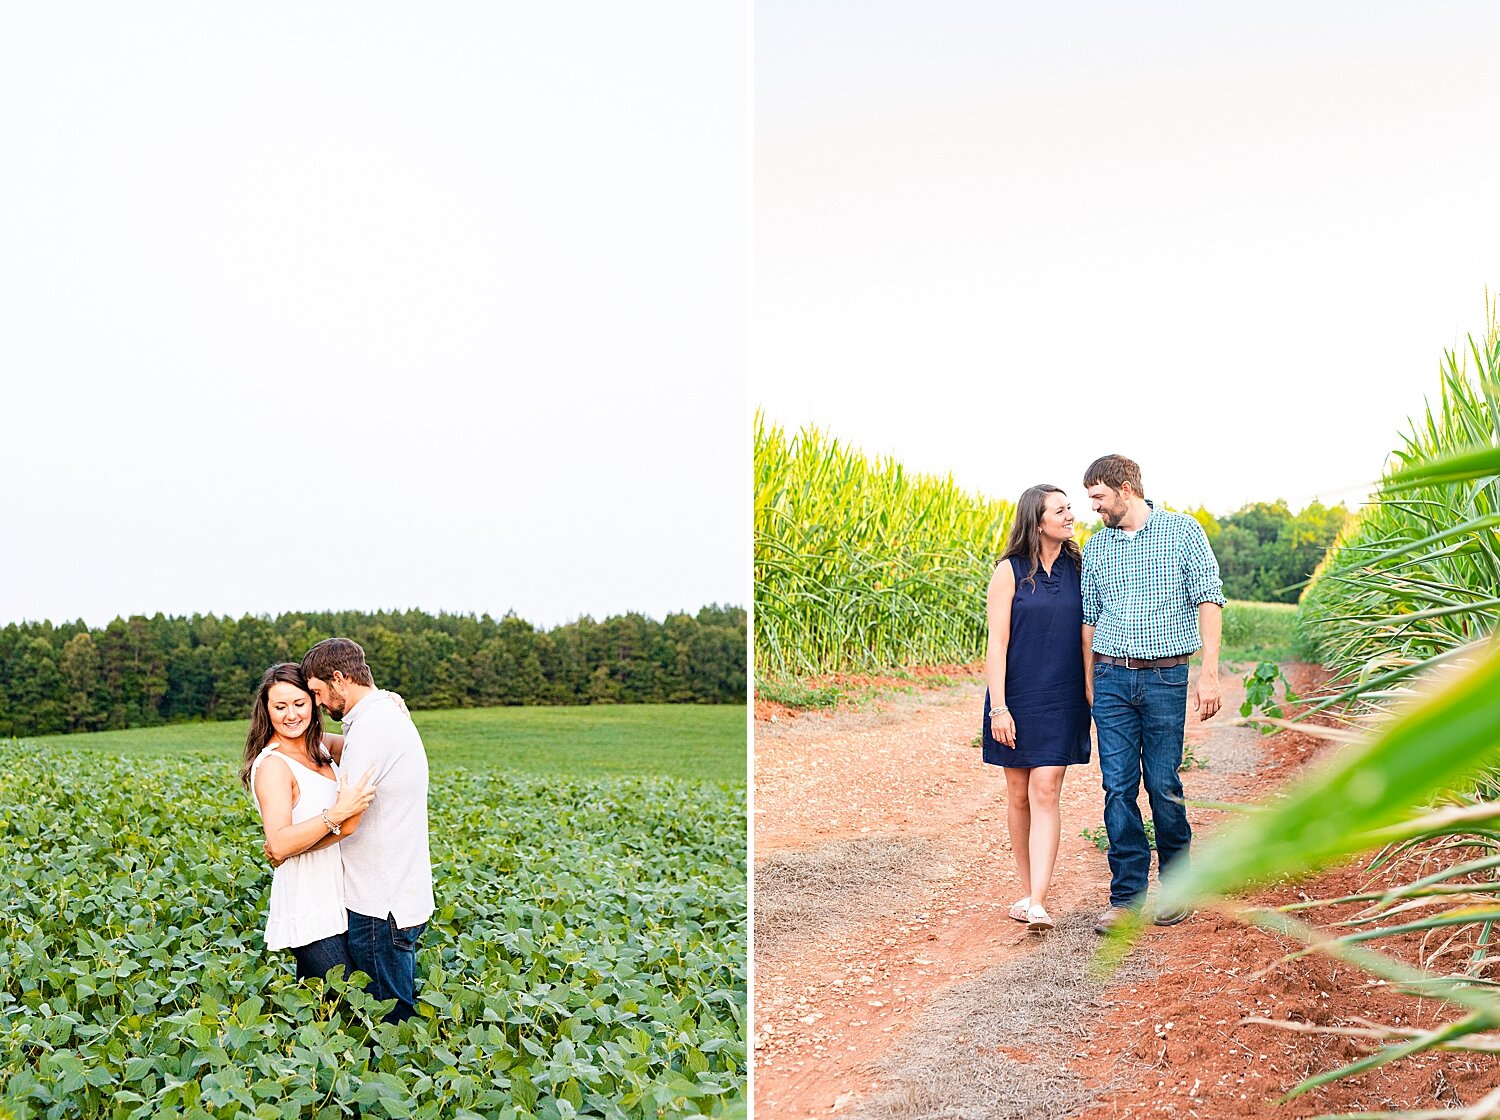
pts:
[1346, 806]
[1459, 466]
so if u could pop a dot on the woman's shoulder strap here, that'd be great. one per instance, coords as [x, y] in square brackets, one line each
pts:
[269, 749]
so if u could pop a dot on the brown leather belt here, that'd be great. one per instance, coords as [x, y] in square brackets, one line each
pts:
[1142, 662]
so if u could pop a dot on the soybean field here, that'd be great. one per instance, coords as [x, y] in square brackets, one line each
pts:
[587, 957]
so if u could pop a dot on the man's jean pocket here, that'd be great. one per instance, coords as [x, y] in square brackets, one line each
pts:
[388, 954]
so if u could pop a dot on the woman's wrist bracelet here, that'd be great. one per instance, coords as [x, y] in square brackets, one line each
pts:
[1000, 711]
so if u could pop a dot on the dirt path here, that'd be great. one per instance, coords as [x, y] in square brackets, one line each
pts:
[889, 981]
[829, 1006]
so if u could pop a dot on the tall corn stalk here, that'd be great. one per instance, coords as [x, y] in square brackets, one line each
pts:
[861, 565]
[1416, 575]
[1403, 611]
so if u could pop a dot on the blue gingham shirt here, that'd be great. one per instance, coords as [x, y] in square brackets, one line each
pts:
[1141, 591]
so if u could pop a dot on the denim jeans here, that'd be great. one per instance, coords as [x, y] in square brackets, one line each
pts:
[388, 954]
[318, 957]
[1139, 715]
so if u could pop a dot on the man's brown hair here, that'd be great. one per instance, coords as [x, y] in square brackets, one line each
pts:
[1112, 470]
[337, 655]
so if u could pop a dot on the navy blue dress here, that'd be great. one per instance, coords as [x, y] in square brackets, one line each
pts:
[1044, 671]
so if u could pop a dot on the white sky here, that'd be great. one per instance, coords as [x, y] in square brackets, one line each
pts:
[1230, 241]
[373, 305]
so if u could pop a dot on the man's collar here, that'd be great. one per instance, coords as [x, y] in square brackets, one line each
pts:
[363, 703]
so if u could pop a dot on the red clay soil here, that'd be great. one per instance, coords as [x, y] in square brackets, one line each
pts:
[826, 1011]
[863, 687]
[937, 673]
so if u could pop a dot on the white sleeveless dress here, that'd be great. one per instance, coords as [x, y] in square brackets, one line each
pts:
[307, 891]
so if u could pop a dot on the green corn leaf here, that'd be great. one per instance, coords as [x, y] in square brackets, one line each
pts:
[1434, 746]
[1461, 466]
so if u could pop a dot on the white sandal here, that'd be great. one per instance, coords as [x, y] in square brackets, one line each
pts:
[1037, 919]
[1020, 909]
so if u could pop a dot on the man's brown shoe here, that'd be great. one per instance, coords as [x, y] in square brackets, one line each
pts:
[1172, 916]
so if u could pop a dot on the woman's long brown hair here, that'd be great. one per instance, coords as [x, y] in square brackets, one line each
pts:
[260, 720]
[1026, 531]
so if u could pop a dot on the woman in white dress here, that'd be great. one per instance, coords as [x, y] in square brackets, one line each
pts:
[306, 807]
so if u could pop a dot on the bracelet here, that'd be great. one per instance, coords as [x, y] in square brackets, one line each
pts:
[333, 828]
[1000, 711]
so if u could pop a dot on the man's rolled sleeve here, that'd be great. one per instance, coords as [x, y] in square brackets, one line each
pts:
[1202, 569]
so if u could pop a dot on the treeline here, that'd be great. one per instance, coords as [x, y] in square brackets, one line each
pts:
[1266, 552]
[147, 671]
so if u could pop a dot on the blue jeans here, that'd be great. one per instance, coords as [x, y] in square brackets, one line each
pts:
[1139, 714]
[388, 954]
[318, 957]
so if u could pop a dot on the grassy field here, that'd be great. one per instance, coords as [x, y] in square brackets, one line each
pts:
[1258, 632]
[602, 740]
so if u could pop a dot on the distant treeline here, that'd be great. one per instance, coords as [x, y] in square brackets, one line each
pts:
[146, 671]
[1266, 552]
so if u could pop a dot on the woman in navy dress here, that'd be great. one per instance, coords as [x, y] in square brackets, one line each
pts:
[1036, 712]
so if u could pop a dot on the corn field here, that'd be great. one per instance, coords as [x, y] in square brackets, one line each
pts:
[1403, 611]
[1417, 575]
[860, 565]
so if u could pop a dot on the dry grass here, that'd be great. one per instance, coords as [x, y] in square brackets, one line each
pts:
[957, 1063]
[843, 883]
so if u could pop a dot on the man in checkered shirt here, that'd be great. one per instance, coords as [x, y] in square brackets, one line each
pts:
[1151, 598]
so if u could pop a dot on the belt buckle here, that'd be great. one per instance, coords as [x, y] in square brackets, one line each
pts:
[1130, 663]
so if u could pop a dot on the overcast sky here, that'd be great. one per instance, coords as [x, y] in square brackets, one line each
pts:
[1229, 240]
[361, 306]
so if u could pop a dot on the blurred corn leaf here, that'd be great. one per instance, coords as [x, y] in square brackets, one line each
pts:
[1402, 612]
[1350, 804]
[1457, 467]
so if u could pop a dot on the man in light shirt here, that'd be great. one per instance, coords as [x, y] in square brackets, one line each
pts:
[1152, 597]
[387, 865]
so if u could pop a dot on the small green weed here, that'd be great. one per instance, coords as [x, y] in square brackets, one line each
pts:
[1260, 693]
[1100, 838]
[797, 694]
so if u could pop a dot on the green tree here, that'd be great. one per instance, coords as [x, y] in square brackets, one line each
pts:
[142, 670]
[41, 692]
[87, 701]
[1266, 552]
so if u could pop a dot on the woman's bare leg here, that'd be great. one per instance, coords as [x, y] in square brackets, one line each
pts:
[1018, 820]
[1044, 793]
